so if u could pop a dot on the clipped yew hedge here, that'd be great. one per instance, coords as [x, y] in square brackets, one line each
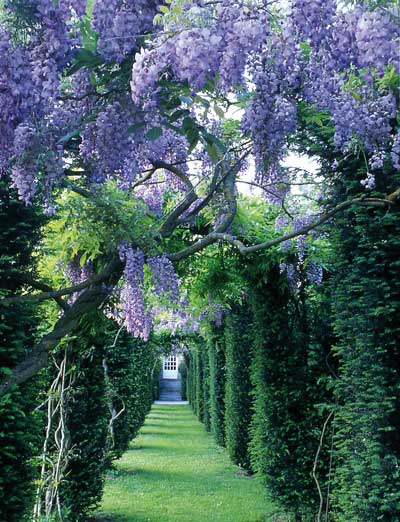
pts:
[21, 427]
[286, 422]
[217, 379]
[238, 398]
[366, 306]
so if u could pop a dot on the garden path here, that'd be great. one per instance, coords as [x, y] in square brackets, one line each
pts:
[174, 472]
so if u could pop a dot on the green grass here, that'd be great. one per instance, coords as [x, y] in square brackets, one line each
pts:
[174, 472]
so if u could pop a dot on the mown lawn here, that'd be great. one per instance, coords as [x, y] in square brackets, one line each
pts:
[174, 472]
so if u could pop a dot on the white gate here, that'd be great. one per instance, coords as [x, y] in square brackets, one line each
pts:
[170, 367]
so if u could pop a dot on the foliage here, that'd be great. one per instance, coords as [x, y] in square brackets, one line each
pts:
[286, 424]
[205, 387]
[87, 426]
[366, 307]
[216, 353]
[238, 400]
[132, 366]
[183, 372]
[117, 120]
[110, 392]
[21, 426]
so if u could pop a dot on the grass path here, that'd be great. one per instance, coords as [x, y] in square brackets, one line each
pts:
[174, 472]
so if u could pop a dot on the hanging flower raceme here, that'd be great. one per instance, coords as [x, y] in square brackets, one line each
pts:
[164, 277]
[136, 318]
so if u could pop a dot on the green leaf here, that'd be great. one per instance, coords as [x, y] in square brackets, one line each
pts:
[154, 133]
[69, 135]
[136, 126]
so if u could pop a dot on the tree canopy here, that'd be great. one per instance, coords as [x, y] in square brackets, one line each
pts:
[134, 125]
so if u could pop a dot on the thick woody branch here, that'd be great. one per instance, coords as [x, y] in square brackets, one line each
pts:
[90, 299]
[230, 198]
[39, 285]
[55, 294]
[170, 223]
[216, 236]
[216, 183]
[77, 189]
[177, 172]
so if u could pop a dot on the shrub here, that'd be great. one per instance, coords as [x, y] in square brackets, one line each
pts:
[20, 426]
[205, 386]
[238, 401]
[366, 300]
[286, 423]
[216, 353]
[183, 372]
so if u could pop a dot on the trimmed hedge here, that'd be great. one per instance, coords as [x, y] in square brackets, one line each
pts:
[87, 426]
[216, 354]
[366, 298]
[286, 425]
[109, 378]
[20, 426]
[131, 366]
[183, 372]
[205, 387]
[238, 399]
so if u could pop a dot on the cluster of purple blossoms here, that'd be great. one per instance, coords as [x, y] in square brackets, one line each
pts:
[270, 118]
[377, 160]
[152, 194]
[118, 128]
[109, 132]
[214, 313]
[77, 274]
[23, 174]
[18, 94]
[164, 277]
[314, 273]
[196, 54]
[311, 18]
[134, 263]
[30, 125]
[136, 318]
[347, 50]
[119, 23]
[369, 182]
[370, 119]
[292, 273]
[395, 152]
[39, 155]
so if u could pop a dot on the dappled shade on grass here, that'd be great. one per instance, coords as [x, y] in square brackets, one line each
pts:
[174, 472]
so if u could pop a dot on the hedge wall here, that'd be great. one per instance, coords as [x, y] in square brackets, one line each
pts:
[366, 298]
[205, 387]
[286, 425]
[216, 354]
[20, 426]
[238, 399]
[131, 364]
[87, 426]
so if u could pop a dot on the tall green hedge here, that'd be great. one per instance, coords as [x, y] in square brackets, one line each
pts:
[216, 353]
[366, 298]
[87, 426]
[286, 425]
[205, 386]
[131, 365]
[238, 398]
[113, 374]
[183, 373]
[20, 426]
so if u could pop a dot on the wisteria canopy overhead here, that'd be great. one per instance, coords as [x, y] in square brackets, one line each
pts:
[135, 93]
